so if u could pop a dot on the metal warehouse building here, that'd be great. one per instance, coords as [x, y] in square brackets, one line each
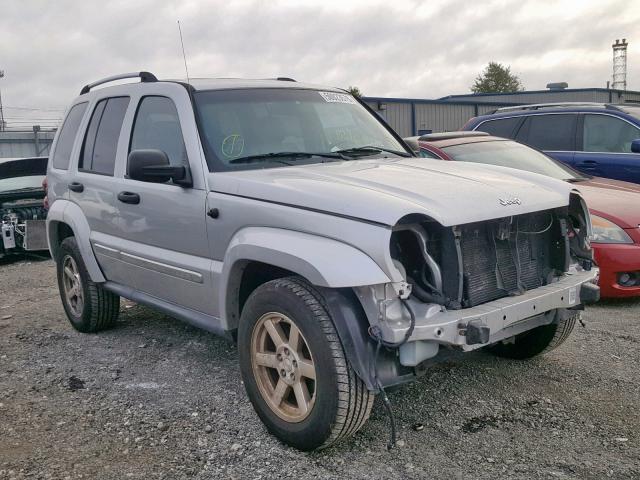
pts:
[410, 116]
[21, 144]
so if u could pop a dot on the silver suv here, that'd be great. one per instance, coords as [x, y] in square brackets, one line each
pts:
[292, 220]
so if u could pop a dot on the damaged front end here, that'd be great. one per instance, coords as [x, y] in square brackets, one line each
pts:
[22, 212]
[472, 285]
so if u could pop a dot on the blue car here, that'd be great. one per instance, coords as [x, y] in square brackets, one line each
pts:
[598, 139]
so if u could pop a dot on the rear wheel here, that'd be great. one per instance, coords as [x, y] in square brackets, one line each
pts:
[88, 306]
[294, 367]
[538, 341]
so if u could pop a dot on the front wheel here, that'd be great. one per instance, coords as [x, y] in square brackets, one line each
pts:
[294, 367]
[538, 341]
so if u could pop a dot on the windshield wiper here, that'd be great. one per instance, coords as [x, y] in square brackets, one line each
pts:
[371, 150]
[291, 155]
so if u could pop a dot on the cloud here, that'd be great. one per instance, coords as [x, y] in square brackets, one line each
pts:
[405, 48]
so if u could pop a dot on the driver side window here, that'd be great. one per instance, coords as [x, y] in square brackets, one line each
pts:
[157, 127]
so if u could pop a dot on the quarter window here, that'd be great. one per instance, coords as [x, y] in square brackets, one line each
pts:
[549, 132]
[67, 137]
[157, 127]
[101, 142]
[603, 133]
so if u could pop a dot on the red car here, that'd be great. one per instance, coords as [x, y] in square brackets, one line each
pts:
[614, 205]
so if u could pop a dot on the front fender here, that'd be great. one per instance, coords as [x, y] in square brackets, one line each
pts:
[324, 262]
[64, 211]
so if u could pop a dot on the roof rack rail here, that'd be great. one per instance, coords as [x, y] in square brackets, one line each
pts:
[538, 106]
[285, 79]
[144, 77]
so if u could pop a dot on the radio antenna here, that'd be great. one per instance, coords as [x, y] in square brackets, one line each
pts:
[184, 57]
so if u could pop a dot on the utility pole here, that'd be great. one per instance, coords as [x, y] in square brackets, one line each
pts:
[2, 125]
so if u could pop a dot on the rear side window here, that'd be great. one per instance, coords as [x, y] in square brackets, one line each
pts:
[101, 142]
[603, 133]
[549, 132]
[157, 127]
[68, 134]
[502, 127]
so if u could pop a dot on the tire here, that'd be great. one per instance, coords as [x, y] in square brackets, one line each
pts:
[88, 306]
[338, 402]
[538, 341]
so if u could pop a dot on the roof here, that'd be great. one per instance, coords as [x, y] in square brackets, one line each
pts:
[213, 83]
[449, 138]
[623, 109]
[241, 83]
[527, 92]
[461, 140]
[430, 137]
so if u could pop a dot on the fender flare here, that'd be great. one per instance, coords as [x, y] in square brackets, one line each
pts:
[64, 211]
[322, 261]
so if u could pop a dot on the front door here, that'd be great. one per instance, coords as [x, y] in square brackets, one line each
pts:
[163, 226]
[605, 142]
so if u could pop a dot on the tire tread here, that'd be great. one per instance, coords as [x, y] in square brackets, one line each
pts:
[355, 401]
[102, 307]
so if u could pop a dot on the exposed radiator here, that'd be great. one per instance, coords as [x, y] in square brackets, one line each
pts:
[505, 258]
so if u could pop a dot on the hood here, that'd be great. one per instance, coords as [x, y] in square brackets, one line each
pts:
[23, 167]
[614, 200]
[384, 190]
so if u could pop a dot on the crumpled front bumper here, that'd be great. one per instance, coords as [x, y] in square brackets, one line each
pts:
[494, 320]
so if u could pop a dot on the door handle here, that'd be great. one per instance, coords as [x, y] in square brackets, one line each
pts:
[589, 162]
[76, 187]
[129, 197]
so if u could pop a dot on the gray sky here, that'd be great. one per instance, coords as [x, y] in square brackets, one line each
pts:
[49, 49]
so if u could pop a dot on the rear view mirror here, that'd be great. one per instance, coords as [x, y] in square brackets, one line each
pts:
[153, 166]
[635, 146]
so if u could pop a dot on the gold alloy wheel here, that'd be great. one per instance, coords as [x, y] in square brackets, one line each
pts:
[72, 285]
[283, 367]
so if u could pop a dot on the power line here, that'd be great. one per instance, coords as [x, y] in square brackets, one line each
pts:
[35, 109]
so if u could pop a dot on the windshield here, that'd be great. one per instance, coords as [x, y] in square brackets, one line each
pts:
[254, 128]
[19, 183]
[506, 153]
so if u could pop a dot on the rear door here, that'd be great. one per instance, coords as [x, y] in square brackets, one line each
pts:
[93, 183]
[553, 133]
[506, 127]
[604, 149]
[59, 173]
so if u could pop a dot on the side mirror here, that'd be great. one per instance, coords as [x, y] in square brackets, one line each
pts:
[635, 146]
[153, 166]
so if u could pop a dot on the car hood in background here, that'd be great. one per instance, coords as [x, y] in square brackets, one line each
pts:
[612, 199]
[23, 167]
[383, 190]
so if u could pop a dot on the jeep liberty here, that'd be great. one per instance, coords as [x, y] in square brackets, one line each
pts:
[291, 219]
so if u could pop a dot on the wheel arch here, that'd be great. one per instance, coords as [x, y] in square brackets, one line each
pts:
[66, 219]
[258, 255]
[285, 252]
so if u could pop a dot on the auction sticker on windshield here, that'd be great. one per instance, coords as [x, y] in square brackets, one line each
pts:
[333, 97]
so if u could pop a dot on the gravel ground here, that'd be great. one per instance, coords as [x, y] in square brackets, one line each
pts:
[155, 398]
